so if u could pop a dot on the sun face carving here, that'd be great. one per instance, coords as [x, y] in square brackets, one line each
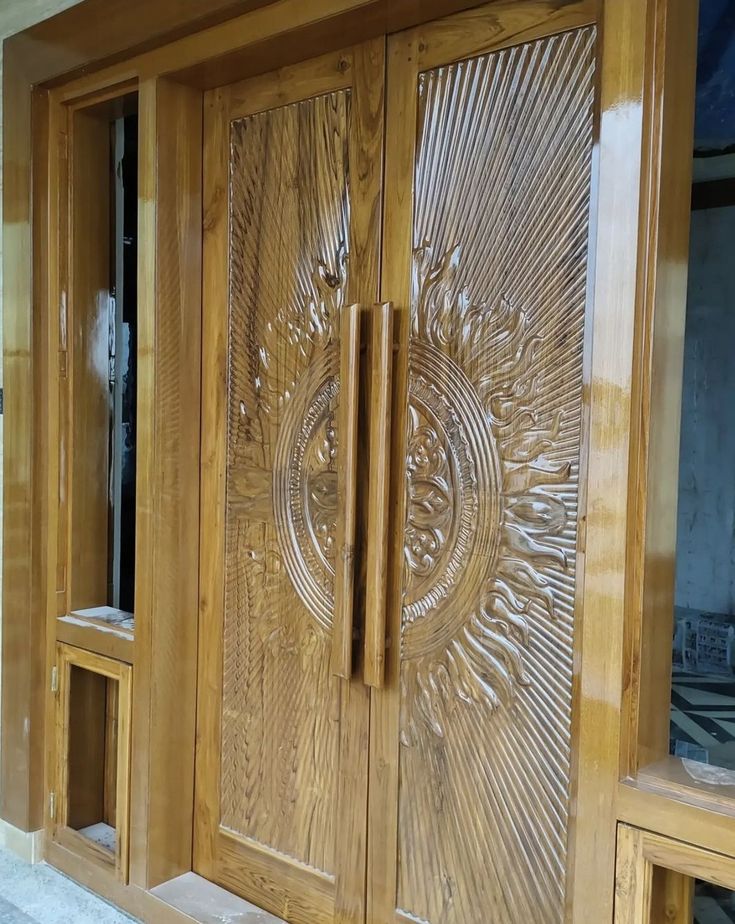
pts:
[485, 495]
[475, 633]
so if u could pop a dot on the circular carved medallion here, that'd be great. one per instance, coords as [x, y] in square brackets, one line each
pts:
[305, 487]
[452, 512]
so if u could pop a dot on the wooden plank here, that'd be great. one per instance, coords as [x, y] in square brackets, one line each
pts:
[395, 287]
[633, 879]
[672, 900]
[213, 455]
[366, 169]
[698, 823]
[658, 377]
[347, 428]
[282, 33]
[89, 295]
[167, 548]
[97, 29]
[275, 883]
[112, 643]
[688, 860]
[501, 25]
[614, 237]
[24, 466]
[112, 707]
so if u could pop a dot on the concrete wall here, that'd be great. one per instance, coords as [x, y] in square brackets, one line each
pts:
[706, 530]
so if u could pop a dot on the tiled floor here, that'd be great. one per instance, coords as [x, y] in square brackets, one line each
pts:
[40, 895]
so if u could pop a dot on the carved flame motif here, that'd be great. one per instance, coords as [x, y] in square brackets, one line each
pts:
[489, 356]
[484, 499]
[305, 470]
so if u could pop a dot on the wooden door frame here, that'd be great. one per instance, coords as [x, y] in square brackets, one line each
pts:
[655, 875]
[172, 52]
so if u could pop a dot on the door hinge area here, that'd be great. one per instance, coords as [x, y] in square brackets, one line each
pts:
[52, 805]
[54, 679]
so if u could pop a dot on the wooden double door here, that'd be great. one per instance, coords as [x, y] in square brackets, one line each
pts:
[395, 317]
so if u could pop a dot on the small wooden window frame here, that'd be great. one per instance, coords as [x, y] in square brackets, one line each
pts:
[170, 52]
[655, 875]
[68, 658]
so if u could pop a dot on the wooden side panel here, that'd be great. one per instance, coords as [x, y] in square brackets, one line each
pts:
[659, 375]
[89, 298]
[167, 553]
[480, 688]
[85, 749]
[24, 463]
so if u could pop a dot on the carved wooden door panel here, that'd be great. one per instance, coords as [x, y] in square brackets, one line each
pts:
[292, 223]
[490, 129]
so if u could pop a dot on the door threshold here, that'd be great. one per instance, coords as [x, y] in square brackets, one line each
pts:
[204, 902]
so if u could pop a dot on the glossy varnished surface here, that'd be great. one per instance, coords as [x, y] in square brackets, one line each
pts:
[492, 468]
[292, 220]
[289, 234]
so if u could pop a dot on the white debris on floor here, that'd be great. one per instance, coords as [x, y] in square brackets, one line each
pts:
[41, 895]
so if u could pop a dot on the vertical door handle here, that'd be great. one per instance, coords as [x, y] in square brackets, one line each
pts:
[381, 374]
[347, 429]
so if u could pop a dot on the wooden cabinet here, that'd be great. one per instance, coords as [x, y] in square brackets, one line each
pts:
[394, 430]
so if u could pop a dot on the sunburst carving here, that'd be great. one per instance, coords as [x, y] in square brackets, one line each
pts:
[468, 643]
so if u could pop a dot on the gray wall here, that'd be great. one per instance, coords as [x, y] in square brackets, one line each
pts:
[706, 521]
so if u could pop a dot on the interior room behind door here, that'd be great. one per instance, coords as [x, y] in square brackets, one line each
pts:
[393, 459]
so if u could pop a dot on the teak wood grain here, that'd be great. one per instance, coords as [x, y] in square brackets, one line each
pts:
[654, 880]
[646, 62]
[451, 717]
[167, 514]
[271, 854]
[657, 383]
[76, 41]
[88, 363]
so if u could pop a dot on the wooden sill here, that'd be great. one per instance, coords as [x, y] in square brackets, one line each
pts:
[187, 899]
[203, 901]
[103, 630]
[682, 780]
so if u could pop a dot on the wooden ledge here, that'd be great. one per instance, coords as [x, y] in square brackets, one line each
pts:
[103, 630]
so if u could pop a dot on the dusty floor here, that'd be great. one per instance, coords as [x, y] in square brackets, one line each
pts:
[40, 895]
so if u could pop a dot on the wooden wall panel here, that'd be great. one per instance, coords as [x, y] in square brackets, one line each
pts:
[167, 555]
[89, 307]
[24, 497]
[658, 378]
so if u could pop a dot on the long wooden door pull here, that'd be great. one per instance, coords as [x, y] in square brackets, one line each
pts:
[347, 430]
[381, 374]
